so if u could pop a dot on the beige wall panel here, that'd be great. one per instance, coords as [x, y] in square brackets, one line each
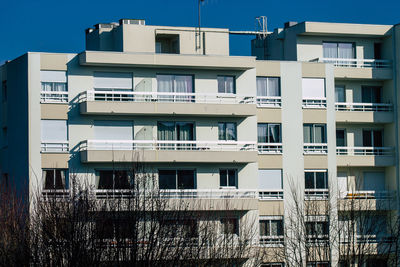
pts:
[269, 115]
[270, 161]
[270, 207]
[53, 61]
[55, 160]
[360, 161]
[54, 111]
[363, 73]
[313, 70]
[314, 115]
[268, 68]
[315, 162]
[364, 117]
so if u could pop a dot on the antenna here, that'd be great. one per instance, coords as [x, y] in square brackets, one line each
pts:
[261, 27]
[198, 33]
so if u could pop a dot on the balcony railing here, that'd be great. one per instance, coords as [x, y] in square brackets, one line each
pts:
[314, 103]
[316, 193]
[272, 240]
[210, 193]
[269, 148]
[377, 107]
[368, 194]
[315, 148]
[167, 145]
[357, 63]
[365, 151]
[53, 97]
[129, 96]
[55, 193]
[269, 101]
[55, 147]
[374, 238]
[114, 193]
[270, 195]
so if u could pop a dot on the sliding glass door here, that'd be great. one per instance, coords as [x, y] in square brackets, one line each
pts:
[180, 84]
[176, 131]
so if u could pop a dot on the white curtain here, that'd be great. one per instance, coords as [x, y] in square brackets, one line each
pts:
[274, 133]
[273, 86]
[319, 134]
[330, 50]
[261, 86]
[345, 50]
[262, 133]
[166, 131]
[183, 84]
[230, 131]
[339, 94]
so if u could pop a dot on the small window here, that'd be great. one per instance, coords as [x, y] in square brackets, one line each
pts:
[341, 138]
[340, 94]
[271, 227]
[317, 229]
[268, 86]
[372, 138]
[226, 84]
[317, 264]
[228, 178]
[55, 179]
[114, 179]
[230, 226]
[269, 133]
[371, 94]
[167, 43]
[316, 179]
[177, 179]
[227, 131]
[314, 133]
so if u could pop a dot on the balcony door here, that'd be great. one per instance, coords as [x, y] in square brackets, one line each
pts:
[170, 84]
[372, 138]
[314, 133]
[175, 131]
[338, 50]
[371, 94]
[373, 181]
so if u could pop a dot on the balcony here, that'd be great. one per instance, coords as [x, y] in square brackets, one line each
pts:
[270, 195]
[314, 194]
[364, 112]
[315, 149]
[165, 103]
[269, 101]
[368, 194]
[55, 193]
[269, 148]
[359, 68]
[54, 97]
[365, 156]
[55, 147]
[272, 241]
[314, 103]
[168, 151]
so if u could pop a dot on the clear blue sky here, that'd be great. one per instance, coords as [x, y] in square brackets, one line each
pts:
[58, 25]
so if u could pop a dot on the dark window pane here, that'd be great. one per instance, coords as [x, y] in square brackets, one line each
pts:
[222, 177]
[59, 181]
[321, 180]
[309, 180]
[367, 138]
[378, 142]
[105, 180]
[49, 179]
[340, 138]
[274, 133]
[263, 227]
[221, 131]
[232, 178]
[186, 179]
[121, 180]
[221, 84]
[167, 179]
[230, 226]
[262, 130]
[230, 131]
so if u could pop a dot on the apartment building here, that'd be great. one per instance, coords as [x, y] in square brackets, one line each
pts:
[314, 111]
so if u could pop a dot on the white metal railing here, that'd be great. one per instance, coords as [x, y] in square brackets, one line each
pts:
[270, 195]
[357, 63]
[52, 146]
[269, 148]
[374, 238]
[315, 148]
[209, 193]
[130, 96]
[379, 107]
[368, 194]
[269, 101]
[56, 193]
[272, 240]
[54, 97]
[114, 193]
[167, 145]
[316, 193]
[365, 151]
[314, 103]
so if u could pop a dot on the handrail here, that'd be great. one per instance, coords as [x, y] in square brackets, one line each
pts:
[54, 146]
[56, 193]
[380, 107]
[316, 193]
[368, 194]
[269, 148]
[53, 96]
[270, 194]
[209, 193]
[167, 145]
[269, 101]
[272, 240]
[357, 63]
[314, 103]
[315, 148]
[129, 96]
[365, 151]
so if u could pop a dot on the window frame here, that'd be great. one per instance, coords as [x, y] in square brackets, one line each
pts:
[225, 89]
[315, 182]
[228, 186]
[354, 50]
[344, 136]
[130, 179]
[372, 133]
[266, 78]
[223, 224]
[225, 132]
[313, 125]
[268, 131]
[268, 225]
[54, 170]
[177, 178]
[176, 123]
[344, 93]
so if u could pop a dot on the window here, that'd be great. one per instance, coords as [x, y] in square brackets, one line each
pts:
[54, 135]
[55, 179]
[273, 264]
[228, 178]
[271, 227]
[338, 50]
[313, 88]
[374, 181]
[230, 226]
[268, 86]
[314, 133]
[341, 138]
[269, 133]
[270, 180]
[340, 94]
[4, 91]
[226, 84]
[316, 179]
[167, 43]
[371, 225]
[180, 228]
[113, 228]
[177, 179]
[114, 179]
[112, 81]
[54, 86]
[317, 229]
[227, 131]
[170, 84]
[317, 264]
[113, 130]
[169, 130]
[371, 94]
[372, 138]
[377, 50]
